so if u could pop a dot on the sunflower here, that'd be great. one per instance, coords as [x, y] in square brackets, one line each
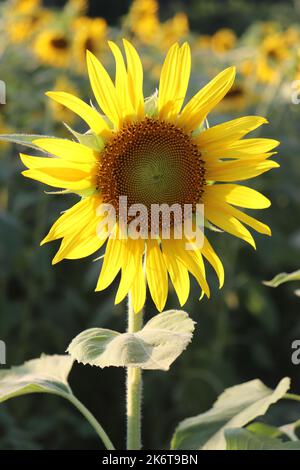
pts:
[143, 20]
[272, 56]
[24, 6]
[152, 151]
[174, 29]
[223, 40]
[53, 48]
[89, 33]
[21, 24]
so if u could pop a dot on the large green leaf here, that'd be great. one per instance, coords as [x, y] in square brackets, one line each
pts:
[47, 374]
[282, 278]
[23, 139]
[242, 439]
[235, 408]
[156, 346]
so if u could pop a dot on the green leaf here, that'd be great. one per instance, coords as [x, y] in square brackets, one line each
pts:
[262, 429]
[235, 407]
[156, 346]
[151, 104]
[242, 439]
[89, 139]
[212, 227]
[283, 277]
[23, 139]
[47, 374]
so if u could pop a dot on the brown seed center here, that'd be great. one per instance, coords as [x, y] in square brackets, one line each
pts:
[151, 162]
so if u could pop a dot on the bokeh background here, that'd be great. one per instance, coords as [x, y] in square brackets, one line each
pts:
[245, 331]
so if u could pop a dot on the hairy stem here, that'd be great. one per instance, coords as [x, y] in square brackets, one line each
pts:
[134, 387]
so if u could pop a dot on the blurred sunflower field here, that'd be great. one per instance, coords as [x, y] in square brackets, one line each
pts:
[246, 330]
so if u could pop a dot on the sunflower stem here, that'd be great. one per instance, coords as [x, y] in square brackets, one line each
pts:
[134, 387]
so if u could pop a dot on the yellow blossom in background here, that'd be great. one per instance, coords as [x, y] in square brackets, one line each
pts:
[143, 20]
[292, 37]
[24, 6]
[269, 27]
[77, 7]
[223, 40]
[53, 47]
[202, 42]
[238, 98]
[89, 33]
[274, 48]
[247, 67]
[264, 71]
[174, 29]
[22, 24]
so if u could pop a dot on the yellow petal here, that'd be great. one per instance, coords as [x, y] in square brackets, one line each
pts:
[227, 222]
[174, 81]
[72, 179]
[86, 112]
[178, 273]
[45, 163]
[193, 261]
[206, 99]
[157, 275]
[254, 146]
[244, 149]
[79, 229]
[121, 83]
[238, 170]
[77, 214]
[135, 78]
[246, 219]
[212, 257]
[86, 247]
[229, 131]
[58, 173]
[67, 150]
[89, 240]
[114, 257]
[78, 246]
[132, 259]
[104, 90]
[167, 78]
[237, 195]
[138, 289]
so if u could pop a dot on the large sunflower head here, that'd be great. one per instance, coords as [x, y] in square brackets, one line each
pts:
[152, 152]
